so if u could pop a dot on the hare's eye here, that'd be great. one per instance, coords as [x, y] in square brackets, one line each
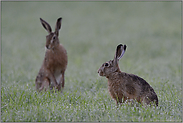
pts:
[106, 64]
[54, 38]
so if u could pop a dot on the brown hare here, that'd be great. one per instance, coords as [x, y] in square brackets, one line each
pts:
[124, 87]
[51, 73]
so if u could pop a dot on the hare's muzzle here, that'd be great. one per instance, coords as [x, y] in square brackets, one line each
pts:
[100, 72]
[48, 47]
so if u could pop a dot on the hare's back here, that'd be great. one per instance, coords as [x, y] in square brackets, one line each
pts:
[136, 80]
[140, 85]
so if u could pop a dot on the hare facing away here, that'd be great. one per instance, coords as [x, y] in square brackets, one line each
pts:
[51, 73]
[124, 87]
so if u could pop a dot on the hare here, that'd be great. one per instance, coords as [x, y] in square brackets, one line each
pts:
[124, 87]
[51, 73]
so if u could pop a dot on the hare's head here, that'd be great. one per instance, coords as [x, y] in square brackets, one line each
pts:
[112, 66]
[52, 37]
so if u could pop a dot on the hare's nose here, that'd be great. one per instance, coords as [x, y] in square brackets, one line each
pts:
[46, 46]
[98, 71]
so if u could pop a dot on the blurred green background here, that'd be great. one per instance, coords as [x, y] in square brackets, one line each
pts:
[90, 32]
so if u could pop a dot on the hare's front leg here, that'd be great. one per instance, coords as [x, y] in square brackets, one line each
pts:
[38, 85]
[61, 82]
[53, 80]
[45, 85]
[120, 100]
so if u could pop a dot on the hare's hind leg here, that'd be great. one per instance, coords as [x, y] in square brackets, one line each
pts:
[152, 101]
[145, 101]
[61, 82]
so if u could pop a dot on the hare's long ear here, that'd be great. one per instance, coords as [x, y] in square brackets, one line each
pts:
[46, 25]
[120, 50]
[58, 25]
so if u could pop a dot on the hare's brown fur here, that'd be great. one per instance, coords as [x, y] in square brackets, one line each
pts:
[123, 86]
[51, 73]
[126, 87]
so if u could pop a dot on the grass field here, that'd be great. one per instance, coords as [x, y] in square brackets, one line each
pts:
[90, 33]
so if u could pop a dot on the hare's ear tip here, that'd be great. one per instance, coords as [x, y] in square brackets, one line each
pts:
[120, 45]
[125, 47]
[60, 18]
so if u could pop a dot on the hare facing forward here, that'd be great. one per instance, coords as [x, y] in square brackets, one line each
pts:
[51, 73]
[126, 87]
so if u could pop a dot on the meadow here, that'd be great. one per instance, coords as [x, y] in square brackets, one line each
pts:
[90, 32]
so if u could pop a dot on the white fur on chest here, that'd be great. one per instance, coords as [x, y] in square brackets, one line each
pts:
[58, 75]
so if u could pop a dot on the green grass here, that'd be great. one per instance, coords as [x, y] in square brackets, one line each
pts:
[90, 33]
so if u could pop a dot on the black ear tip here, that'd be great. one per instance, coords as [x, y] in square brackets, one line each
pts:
[120, 45]
[59, 19]
[125, 47]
